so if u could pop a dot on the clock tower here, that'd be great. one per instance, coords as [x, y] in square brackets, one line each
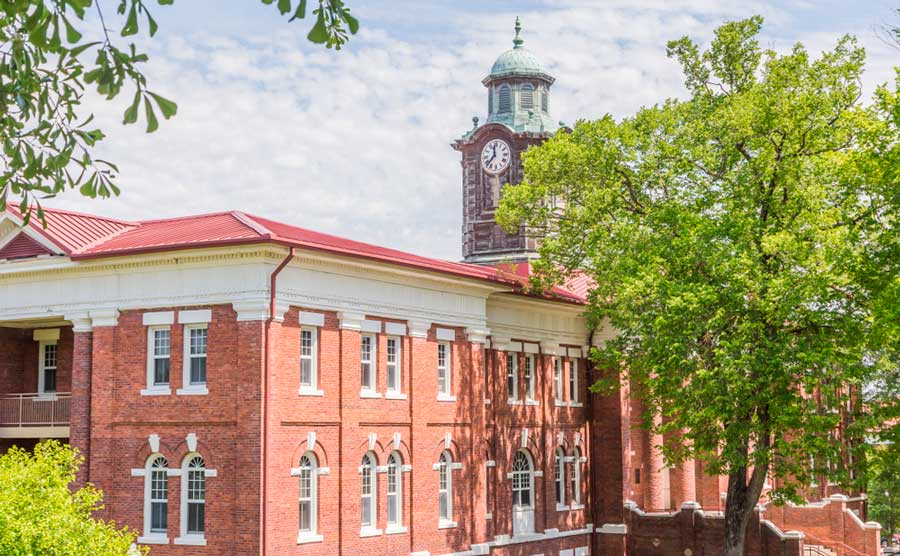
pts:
[518, 117]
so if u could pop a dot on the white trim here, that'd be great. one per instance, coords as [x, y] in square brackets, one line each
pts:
[418, 328]
[550, 348]
[350, 321]
[153, 539]
[195, 539]
[154, 389]
[394, 392]
[441, 397]
[477, 335]
[394, 329]
[574, 353]
[562, 507]
[369, 532]
[444, 393]
[303, 391]
[445, 524]
[612, 529]
[369, 394]
[371, 326]
[391, 395]
[445, 334]
[395, 530]
[42, 360]
[307, 318]
[251, 309]
[306, 538]
[373, 365]
[312, 388]
[192, 391]
[313, 534]
[159, 318]
[196, 316]
[531, 348]
[190, 540]
[161, 538]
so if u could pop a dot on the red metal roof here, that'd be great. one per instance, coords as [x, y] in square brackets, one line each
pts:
[22, 247]
[83, 236]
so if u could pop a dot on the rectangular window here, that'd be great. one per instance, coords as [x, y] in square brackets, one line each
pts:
[160, 352]
[393, 507]
[308, 357]
[557, 379]
[47, 377]
[196, 354]
[159, 500]
[367, 514]
[393, 364]
[529, 377]
[444, 368]
[367, 362]
[512, 378]
[573, 380]
[196, 500]
[305, 499]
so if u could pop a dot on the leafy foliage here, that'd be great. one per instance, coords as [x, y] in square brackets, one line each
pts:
[45, 71]
[39, 514]
[743, 244]
[884, 488]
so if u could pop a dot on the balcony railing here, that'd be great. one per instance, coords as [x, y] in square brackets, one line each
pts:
[35, 410]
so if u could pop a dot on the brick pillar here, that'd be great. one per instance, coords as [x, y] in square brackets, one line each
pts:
[248, 451]
[80, 410]
[422, 484]
[479, 510]
[103, 455]
[604, 474]
[654, 497]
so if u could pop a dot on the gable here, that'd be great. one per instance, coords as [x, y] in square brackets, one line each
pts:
[22, 247]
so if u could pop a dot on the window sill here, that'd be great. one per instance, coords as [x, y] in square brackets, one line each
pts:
[488, 516]
[310, 392]
[190, 540]
[562, 508]
[153, 539]
[395, 530]
[156, 391]
[369, 394]
[446, 524]
[306, 538]
[576, 404]
[369, 532]
[532, 402]
[575, 507]
[394, 396]
[192, 391]
[514, 402]
[446, 398]
[46, 397]
[560, 403]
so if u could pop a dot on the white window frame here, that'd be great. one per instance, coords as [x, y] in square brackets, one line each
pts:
[311, 389]
[193, 538]
[395, 468]
[43, 367]
[154, 389]
[311, 534]
[150, 536]
[369, 466]
[530, 379]
[558, 386]
[445, 390]
[575, 478]
[395, 366]
[367, 390]
[573, 381]
[559, 478]
[188, 387]
[445, 489]
[520, 475]
[512, 376]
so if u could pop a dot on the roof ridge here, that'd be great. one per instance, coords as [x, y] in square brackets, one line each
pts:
[187, 217]
[104, 239]
[248, 220]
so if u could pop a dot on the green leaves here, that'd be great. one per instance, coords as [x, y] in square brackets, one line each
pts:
[744, 243]
[39, 514]
[46, 70]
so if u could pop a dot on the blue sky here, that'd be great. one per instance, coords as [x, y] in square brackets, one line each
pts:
[356, 142]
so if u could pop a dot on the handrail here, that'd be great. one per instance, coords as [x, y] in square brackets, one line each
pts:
[35, 409]
[840, 544]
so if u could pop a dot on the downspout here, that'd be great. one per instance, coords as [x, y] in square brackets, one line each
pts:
[265, 421]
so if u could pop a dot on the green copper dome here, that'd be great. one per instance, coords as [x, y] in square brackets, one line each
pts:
[518, 61]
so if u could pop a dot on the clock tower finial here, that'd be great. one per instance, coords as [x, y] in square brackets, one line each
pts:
[518, 117]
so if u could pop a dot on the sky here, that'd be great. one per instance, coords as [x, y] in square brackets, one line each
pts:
[357, 142]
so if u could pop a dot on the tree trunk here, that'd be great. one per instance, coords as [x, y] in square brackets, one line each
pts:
[740, 504]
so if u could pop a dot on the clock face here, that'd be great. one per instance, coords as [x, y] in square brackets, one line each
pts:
[495, 156]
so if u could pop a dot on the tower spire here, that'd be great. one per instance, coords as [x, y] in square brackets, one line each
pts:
[517, 42]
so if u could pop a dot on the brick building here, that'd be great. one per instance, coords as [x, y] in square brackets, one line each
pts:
[243, 386]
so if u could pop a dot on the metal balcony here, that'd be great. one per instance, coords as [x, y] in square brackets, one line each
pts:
[35, 415]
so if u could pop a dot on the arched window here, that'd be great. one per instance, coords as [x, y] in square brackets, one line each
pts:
[545, 98]
[395, 490]
[156, 497]
[193, 496]
[490, 101]
[504, 99]
[445, 487]
[526, 96]
[368, 491]
[522, 481]
[559, 477]
[308, 473]
[576, 476]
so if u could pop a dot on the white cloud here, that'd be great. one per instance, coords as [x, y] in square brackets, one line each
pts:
[356, 143]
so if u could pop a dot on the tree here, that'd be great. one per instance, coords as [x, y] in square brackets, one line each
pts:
[39, 514]
[884, 488]
[740, 242]
[47, 138]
